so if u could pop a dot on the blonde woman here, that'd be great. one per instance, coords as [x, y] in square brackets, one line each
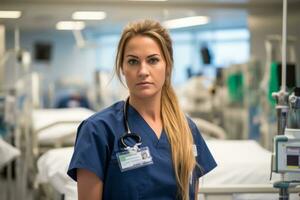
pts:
[143, 147]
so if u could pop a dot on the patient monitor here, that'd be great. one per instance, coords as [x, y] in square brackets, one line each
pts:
[287, 147]
[286, 155]
[287, 152]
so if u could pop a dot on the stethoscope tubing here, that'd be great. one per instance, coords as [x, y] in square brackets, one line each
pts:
[128, 133]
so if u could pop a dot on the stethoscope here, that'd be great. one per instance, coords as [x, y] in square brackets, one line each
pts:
[128, 134]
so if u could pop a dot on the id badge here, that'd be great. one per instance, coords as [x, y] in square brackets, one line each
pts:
[134, 158]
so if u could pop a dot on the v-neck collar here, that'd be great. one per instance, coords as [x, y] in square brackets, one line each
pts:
[136, 121]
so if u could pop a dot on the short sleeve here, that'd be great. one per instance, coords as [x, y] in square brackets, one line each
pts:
[204, 158]
[91, 150]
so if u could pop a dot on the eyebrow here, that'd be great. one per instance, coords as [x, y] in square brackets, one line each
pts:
[152, 55]
[131, 56]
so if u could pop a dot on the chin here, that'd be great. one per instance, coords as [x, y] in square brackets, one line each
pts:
[145, 94]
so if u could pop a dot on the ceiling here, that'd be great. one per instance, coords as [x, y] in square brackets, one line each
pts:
[44, 14]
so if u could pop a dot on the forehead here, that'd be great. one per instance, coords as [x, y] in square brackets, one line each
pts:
[142, 44]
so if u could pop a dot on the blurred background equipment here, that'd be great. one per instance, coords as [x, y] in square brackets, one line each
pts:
[286, 152]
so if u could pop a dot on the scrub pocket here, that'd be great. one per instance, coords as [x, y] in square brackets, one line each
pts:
[122, 185]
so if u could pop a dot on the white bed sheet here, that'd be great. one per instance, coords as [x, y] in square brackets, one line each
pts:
[53, 125]
[239, 162]
[44, 117]
[7, 152]
[65, 132]
[52, 169]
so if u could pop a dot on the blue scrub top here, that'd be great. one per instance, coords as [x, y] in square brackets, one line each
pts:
[96, 146]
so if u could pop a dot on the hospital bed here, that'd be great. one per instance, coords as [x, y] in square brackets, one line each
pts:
[52, 128]
[209, 130]
[57, 127]
[8, 153]
[243, 172]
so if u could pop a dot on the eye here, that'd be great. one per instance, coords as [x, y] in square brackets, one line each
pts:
[153, 61]
[132, 61]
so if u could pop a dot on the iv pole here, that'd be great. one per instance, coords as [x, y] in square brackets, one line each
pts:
[282, 106]
[282, 96]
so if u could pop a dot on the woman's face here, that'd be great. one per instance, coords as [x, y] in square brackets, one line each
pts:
[144, 67]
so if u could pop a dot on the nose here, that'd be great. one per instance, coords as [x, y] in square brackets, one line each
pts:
[143, 70]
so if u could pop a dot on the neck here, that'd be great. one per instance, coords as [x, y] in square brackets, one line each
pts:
[148, 108]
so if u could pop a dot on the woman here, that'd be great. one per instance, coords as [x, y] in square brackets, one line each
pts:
[172, 154]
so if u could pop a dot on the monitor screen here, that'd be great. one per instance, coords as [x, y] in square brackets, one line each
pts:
[42, 51]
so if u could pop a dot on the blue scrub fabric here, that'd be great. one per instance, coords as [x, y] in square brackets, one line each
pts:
[97, 143]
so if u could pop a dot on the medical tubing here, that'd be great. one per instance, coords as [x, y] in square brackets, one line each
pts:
[126, 104]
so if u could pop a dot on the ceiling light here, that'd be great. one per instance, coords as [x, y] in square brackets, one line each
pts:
[10, 14]
[70, 25]
[186, 22]
[89, 15]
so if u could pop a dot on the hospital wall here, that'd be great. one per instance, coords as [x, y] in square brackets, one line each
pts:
[263, 22]
[66, 59]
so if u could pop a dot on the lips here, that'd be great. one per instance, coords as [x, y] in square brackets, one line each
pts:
[144, 83]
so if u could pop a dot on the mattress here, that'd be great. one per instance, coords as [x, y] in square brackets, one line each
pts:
[42, 118]
[239, 162]
[58, 125]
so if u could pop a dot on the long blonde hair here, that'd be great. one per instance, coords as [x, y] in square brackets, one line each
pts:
[174, 121]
